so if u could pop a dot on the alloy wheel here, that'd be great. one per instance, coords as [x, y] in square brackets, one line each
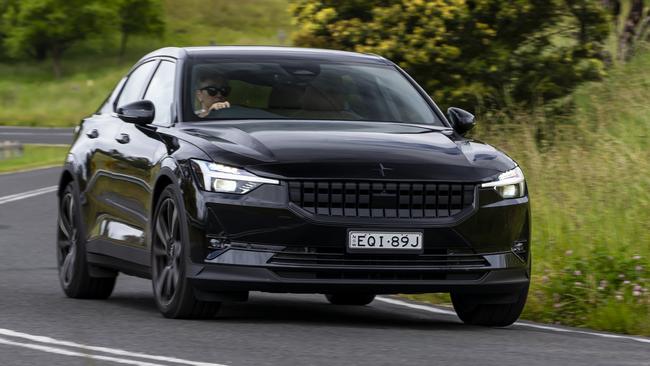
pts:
[68, 239]
[166, 252]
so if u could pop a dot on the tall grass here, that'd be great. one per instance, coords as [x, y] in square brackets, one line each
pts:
[590, 194]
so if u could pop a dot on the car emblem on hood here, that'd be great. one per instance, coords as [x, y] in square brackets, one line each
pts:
[382, 169]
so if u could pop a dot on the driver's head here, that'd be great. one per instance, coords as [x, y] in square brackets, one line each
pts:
[212, 88]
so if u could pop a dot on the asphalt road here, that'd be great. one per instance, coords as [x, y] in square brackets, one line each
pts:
[40, 326]
[36, 135]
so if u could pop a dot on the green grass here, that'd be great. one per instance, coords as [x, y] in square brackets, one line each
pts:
[30, 96]
[589, 184]
[34, 156]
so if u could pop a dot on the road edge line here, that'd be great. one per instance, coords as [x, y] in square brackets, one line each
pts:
[28, 194]
[65, 352]
[114, 351]
[31, 169]
[436, 310]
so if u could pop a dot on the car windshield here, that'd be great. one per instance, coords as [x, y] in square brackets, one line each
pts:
[305, 90]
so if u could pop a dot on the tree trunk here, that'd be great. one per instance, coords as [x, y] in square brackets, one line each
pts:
[642, 36]
[614, 7]
[628, 35]
[56, 61]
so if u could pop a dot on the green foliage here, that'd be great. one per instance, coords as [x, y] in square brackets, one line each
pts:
[484, 52]
[31, 96]
[139, 17]
[50, 27]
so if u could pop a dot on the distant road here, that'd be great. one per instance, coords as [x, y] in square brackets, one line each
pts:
[36, 135]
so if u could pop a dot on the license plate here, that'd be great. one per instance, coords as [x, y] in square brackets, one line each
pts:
[361, 241]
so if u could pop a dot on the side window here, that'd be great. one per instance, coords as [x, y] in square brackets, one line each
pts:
[107, 106]
[161, 91]
[135, 84]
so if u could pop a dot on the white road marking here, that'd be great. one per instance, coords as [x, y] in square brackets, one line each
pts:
[436, 310]
[114, 351]
[28, 194]
[65, 352]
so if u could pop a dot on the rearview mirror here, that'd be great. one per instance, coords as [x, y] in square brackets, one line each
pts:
[461, 120]
[141, 112]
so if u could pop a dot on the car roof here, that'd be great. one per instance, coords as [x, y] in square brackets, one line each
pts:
[265, 51]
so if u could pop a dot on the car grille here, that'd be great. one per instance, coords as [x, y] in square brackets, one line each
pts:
[382, 199]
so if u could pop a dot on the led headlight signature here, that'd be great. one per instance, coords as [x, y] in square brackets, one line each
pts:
[226, 179]
[510, 184]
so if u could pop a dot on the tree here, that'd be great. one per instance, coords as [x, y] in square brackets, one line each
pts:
[469, 52]
[7, 17]
[142, 17]
[628, 35]
[50, 27]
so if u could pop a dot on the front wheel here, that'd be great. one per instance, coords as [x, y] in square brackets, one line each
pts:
[477, 310]
[173, 294]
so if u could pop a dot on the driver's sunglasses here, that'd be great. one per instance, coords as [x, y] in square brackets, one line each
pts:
[214, 90]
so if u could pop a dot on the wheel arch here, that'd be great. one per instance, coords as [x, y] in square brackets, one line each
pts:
[67, 175]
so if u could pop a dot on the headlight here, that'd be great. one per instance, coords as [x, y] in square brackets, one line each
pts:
[510, 184]
[226, 179]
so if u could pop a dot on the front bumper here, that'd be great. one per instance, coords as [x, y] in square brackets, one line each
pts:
[259, 242]
[235, 270]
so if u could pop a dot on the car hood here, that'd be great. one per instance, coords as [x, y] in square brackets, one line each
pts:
[348, 150]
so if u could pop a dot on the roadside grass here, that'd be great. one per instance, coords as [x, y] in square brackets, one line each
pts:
[31, 96]
[34, 156]
[589, 182]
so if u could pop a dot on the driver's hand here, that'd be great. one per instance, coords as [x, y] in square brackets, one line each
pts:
[219, 105]
[214, 107]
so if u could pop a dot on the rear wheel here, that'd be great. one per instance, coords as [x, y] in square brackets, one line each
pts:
[74, 274]
[350, 298]
[173, 293]
[477, 310]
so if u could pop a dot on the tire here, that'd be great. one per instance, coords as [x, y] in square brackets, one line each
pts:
[173, 294]
[72, 264]
[472, 309]
[359, 299]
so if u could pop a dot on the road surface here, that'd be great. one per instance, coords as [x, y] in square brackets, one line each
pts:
[36, 135]
[40, 326]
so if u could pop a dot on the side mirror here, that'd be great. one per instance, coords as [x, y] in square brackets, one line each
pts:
[461, 120]
[141, 112]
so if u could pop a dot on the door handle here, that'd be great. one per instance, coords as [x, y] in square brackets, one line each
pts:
[93, 134]
[123, 139]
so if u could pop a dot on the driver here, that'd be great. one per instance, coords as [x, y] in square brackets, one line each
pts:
[211, 93]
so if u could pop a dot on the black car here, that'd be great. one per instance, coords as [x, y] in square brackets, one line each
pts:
[221, 170]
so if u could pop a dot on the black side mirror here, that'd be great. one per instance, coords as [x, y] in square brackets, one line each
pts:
[461, 120]
[141, 112]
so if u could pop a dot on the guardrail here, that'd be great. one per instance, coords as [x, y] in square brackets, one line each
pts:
[10, 149]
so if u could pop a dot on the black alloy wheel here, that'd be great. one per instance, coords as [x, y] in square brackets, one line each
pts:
[173, 293]
[74, 274]
[350, 298]
[475, 310]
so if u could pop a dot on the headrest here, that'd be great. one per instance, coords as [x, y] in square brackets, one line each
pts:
[285, 96]
[322, 99]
